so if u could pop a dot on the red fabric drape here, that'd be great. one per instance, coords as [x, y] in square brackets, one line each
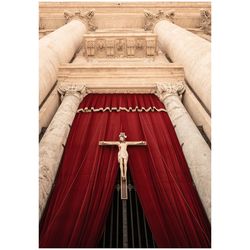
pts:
[80, 200]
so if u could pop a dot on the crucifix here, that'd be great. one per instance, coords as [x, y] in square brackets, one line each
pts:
[123, 158]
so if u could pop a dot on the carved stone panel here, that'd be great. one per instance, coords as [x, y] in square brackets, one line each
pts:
[110, 51]
[131, 47]
[120, 45]
[90, 47]
[101, 47]
[120, 48]
[205, 23]
[151, 43]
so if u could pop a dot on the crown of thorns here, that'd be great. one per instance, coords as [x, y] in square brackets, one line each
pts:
[122, 134]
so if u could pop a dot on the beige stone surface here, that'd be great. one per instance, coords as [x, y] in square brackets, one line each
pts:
[52, 144]
[55, 49]
[197, 112]
[200, 33]
[118, 44]
[120, 76]
[44, 32]
[48, 109]
[191, 51]
[195, 149]
[122, 15]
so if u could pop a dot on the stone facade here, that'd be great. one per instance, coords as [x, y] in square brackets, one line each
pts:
[158, 47]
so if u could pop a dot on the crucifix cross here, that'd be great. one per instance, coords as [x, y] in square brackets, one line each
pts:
[123, 158]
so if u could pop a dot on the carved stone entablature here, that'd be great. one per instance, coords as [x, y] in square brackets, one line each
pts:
[151, 19]
[78, 90]
[150, 46]
[90, 47]
[163, 90]
[205, 23]
[85, 17]
[120, 45]
[134, 75]
[41, 25]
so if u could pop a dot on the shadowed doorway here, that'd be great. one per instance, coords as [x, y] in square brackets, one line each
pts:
[126, 216]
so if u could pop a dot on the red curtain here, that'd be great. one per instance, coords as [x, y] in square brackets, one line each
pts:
[78, 206]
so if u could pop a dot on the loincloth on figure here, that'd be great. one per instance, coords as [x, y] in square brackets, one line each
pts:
[122, 155]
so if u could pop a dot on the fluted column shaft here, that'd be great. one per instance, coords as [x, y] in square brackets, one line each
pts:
[52, 144]
[190, 50]
[56, 48]
[195, 149]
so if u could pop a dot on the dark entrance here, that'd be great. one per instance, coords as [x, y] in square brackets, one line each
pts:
[126, 224]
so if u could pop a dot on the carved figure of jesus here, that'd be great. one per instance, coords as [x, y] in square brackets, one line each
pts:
[123, 156]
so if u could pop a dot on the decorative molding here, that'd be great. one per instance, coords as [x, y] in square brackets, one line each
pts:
[120, 46]
[41, 25]
[120, 77]
[119, 109]
[152, 19]
[131, 46]
[90, 47]
[85, 17]
[121, 90]
[151, 44]
[78, 90]
[164, 90]
[205, 23]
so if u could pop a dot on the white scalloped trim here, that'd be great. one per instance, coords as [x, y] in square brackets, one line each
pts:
[115, 109]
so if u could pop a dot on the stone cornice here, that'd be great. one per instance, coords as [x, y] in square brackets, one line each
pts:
[205, 24]
[85, 17]
[164, 90]
[152, 19]
[113, 78]
[77, 90]
[121, 15]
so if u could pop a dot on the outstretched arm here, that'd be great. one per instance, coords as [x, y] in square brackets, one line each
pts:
[103, 143]
[137, 143]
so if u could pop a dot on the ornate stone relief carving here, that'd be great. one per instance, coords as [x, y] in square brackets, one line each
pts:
[110, 47]
[85, 17]
[100, 44]
[151, 19]
[205, 24]
[131, 46]
[151, 43]
[140, 43]
[90, 47]
[78, 90]
[120, 46]
[163, 90]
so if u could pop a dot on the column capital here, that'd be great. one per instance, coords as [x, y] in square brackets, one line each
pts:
[205, 23]
[85, 17]
[163, 90]
[78, 90]
[151, 19]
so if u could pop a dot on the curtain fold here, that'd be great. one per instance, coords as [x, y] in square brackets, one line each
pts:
[80, 200]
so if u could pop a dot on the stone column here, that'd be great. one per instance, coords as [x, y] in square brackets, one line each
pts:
[186, 48]
[52, 144]
[195, 149]
[59, 47]
[48, 109]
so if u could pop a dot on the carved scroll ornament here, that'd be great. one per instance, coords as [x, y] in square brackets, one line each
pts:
[151, 19]
[85, 17]
[163, 90]
[205, 24]
[78, 90]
